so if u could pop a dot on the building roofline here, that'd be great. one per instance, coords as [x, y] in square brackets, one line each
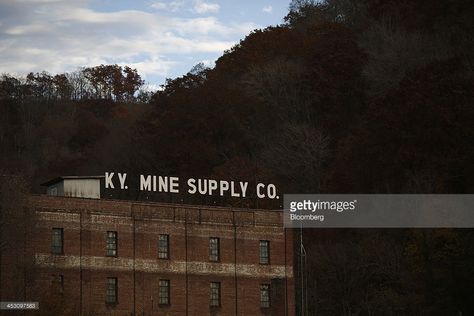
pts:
[61, 178]
[164, 204]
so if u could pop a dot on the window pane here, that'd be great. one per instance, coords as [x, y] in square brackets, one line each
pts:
[164, 292]
[111, 243]
[111, 290]
[264, 251]
[214, 249]
[57, 241]
[265, 295]
[163, 247]
[215, 294]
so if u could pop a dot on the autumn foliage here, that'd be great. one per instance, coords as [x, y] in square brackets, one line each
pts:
[344, 97]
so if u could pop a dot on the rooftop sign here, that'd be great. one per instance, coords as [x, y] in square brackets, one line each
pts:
[192, 186]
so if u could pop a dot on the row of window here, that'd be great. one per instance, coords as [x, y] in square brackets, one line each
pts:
[163, 246]
[164, 298]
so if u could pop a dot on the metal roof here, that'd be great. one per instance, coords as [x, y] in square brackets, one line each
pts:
[61, 178]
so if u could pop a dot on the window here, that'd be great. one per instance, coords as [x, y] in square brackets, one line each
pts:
[265, 295]
[164, 292]
[215, 294]
[214, 249]
[163, 247]
[264, 252]
[57, 246]
[111, 244]
[111, 288]
[57, 284]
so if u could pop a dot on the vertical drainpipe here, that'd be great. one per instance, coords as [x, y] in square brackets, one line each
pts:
[143, 292]
[286, 277]
[186, 255]
[80, 261]
[134, 277]
[235, 262]
[25, 236]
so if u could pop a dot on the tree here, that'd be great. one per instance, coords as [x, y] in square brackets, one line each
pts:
[17, 270]
[113, 82]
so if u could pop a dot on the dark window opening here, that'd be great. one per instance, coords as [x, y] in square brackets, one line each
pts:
[111, 243]
[215, 294]
[57, 284]
[214, 249]
[57, 245]
[163, 247]
[265, 295]
[264, 252]
[111, 291]
[164, 298]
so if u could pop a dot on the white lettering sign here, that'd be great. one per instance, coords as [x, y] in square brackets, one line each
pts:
[169, 184]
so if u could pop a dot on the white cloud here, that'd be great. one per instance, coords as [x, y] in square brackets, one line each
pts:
[59, 36]
[208, 63]
[27, 29]
[205, 7]
[38, 1]
[159, 6]
[151, 66]
[172, 6]
[176, 5]
[267, 9]
[152, 87]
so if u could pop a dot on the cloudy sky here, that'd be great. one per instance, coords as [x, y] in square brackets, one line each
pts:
[161, 38]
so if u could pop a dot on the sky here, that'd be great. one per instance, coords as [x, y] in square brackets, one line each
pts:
[161, 39]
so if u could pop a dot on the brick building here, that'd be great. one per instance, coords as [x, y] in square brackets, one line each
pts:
[115, 257]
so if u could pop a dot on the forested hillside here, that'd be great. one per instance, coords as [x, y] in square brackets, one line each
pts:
[344, 97]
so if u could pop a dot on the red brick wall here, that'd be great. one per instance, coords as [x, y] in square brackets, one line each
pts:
[138, 268]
